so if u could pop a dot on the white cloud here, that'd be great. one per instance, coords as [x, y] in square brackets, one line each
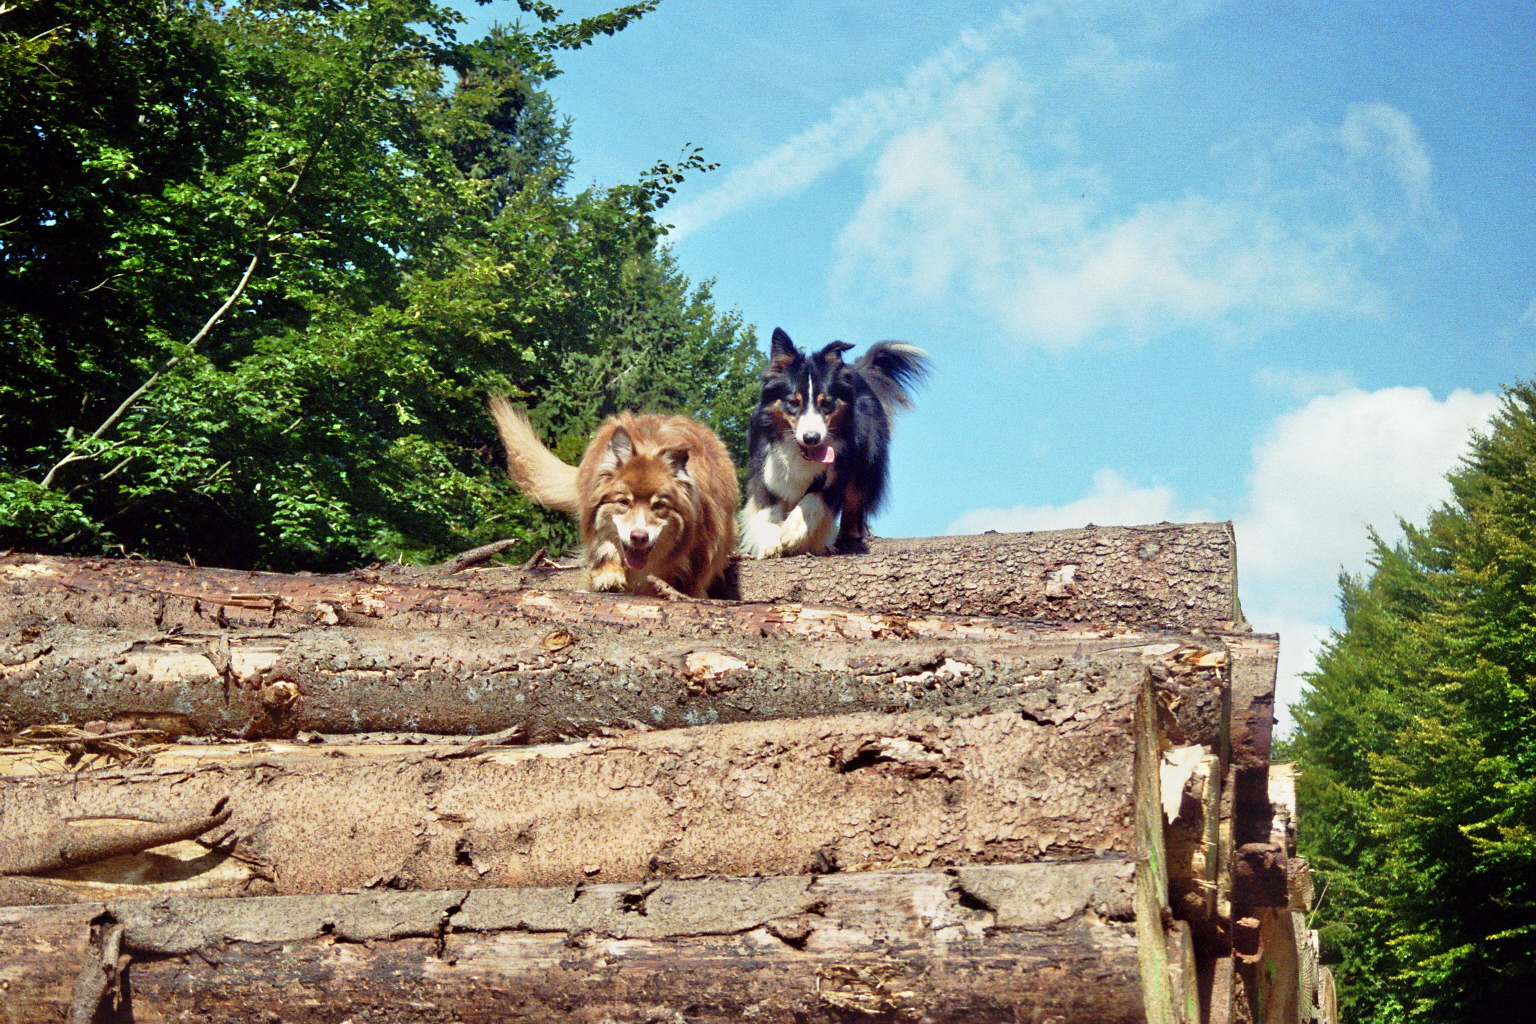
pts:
[851, 128]
[1379, 138]
[1113, 502]
[1301, 385]
[957, 213]
[1327, 472]
[1062, 42]
[1322, 476]
[1198, 262]
[1371, 175]
[980, 197]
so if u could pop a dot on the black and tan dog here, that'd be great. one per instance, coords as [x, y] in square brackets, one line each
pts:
[820, 440]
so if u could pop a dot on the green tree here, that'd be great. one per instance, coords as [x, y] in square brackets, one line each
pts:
[1417, 743]
[265, 258]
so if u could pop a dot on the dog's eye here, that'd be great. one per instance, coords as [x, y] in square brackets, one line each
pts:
[621, 500]
[791, 405]
[826, 403]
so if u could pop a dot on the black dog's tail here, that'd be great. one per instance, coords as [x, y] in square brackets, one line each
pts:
[890, 368]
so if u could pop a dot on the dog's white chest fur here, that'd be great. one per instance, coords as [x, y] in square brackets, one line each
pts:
[797, 521]
[788, 474]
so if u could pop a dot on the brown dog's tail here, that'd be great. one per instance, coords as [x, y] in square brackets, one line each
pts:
[534, 468]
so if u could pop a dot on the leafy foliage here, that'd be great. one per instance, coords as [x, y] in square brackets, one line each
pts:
[260, 262]
[1417, 741]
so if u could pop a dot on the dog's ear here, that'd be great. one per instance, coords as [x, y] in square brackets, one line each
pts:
[781, 352]
[677, 461]
[833, 353]
[619, 450]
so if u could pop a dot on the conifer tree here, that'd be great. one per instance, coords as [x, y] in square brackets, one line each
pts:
[1417, 748]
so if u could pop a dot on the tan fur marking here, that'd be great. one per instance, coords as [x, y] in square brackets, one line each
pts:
[835, 418]
[781, 418]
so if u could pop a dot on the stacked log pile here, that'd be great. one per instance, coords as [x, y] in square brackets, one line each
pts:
[1011, 777]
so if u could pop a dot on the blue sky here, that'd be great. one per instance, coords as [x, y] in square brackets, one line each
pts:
[1187, 261]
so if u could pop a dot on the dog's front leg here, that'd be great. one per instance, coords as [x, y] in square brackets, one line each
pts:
[762, 529]
[794, 535]
[664, 590]
[605, 567]
[807, 527]
[817, 519]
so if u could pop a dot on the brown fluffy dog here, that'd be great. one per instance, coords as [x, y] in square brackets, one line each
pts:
[655, 497]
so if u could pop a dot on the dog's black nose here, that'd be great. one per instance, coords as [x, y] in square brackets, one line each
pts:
[639, 539]
[810, 440]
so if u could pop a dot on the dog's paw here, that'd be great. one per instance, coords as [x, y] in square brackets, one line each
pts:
[760, 537]
[758, 547]
[664, 590]
[609, 578]
[793, 540]
[850, 545]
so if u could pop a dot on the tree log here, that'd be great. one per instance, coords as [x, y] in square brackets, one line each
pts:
[846, 792]
[1169, 576]
[1120, 712]
[563, 677]
[1040, 942]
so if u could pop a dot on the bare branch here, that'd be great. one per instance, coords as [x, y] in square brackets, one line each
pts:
[262, 239]
[127, 403]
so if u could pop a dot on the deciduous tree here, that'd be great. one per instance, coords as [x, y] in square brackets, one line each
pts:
[263, 260]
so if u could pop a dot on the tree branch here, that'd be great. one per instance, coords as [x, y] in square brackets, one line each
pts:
[263, 237]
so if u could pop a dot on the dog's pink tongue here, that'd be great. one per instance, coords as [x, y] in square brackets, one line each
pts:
[634, 559]
[824, 453]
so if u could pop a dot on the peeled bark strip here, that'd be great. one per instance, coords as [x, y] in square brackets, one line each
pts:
[53, 845]
[848, 792]
[1169, 576]
[1046, 942]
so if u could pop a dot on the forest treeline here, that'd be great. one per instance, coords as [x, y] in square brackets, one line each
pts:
[1417, 746]
[260, 262]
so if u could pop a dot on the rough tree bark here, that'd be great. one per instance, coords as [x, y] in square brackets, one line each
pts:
[975, 944]
[854, 791]
[549, 681]
[1170, 576]
[210, 652]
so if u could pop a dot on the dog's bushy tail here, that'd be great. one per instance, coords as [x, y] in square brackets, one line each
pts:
[890, 368]
[534, 468]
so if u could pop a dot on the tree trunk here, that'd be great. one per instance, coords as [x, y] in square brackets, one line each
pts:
[1040, 942]
[154, 645]
[555, 679]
